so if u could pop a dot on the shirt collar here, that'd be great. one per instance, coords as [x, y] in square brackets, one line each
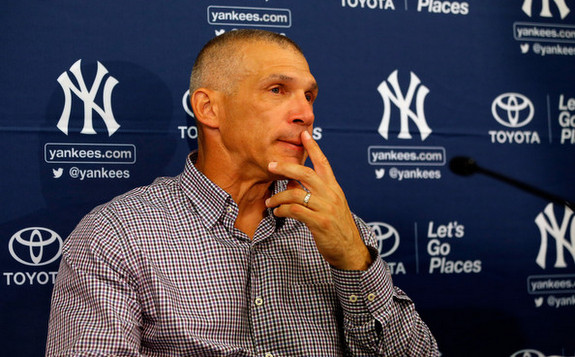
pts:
[209, 199]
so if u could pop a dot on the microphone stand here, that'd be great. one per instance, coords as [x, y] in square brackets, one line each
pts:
[465, 166]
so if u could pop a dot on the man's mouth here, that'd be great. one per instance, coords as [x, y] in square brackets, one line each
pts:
[293, 145]
[296, 142]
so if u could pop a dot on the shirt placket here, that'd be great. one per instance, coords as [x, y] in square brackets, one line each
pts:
[261, 307]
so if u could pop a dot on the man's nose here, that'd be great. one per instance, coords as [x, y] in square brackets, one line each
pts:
[302, 111]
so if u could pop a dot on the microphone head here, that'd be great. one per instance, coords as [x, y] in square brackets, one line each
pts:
[462, 165]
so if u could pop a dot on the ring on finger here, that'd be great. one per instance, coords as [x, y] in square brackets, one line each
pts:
[306, 199]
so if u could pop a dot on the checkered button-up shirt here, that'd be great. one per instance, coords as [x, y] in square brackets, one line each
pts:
[161, 271]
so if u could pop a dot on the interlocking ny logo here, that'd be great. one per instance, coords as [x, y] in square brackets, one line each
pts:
[403, 102]
[547, 223]
[545, 8]
[88, 97]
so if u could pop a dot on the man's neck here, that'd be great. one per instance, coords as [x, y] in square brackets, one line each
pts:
[248, 194]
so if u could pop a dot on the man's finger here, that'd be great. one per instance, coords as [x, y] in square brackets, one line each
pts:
[318, 159]
[291, 197]
[305, 175]
[293, 184]
[297, 212]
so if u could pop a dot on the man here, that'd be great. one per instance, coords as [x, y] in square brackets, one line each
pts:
[247, 252]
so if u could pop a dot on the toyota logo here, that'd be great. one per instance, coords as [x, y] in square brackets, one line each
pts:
[35, 246]
[513, 110]
[186, 104]
[387, 238]
[528, 353]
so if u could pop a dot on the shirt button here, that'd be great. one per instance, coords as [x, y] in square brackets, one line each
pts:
[269, 354]
[230, 209]
[353, 298]
[259, 302]
[371, 297]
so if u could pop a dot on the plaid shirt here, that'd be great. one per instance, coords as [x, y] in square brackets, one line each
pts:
[161, 271]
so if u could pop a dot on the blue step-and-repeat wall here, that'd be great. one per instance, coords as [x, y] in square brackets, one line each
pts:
[93, 102]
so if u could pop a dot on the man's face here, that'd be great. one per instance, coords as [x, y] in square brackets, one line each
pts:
[270, 105]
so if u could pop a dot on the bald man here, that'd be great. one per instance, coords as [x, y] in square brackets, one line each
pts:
[247, 252]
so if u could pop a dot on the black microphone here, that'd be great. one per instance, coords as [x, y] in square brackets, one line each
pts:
[466, 166]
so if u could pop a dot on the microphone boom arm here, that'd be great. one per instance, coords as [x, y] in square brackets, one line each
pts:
[466, 166]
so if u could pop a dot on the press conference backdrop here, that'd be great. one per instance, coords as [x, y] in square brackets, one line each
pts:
[93, 102]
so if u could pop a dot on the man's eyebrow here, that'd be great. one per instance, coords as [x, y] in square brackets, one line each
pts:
[276, 76]
[283, 77]
[313, 86]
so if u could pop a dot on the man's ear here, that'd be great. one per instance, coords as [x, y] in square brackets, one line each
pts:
[205, 106]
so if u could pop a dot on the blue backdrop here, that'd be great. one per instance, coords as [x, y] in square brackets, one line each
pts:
[93, 103]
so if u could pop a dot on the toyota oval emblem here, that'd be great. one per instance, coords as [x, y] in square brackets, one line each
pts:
[186, 104]
[512, 110]
[528, 353]
[35, 246]
[387, 238]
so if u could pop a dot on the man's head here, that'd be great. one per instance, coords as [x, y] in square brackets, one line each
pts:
[252, 94]
[217, 63]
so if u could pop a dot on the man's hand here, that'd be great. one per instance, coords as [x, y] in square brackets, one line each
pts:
[326, 212]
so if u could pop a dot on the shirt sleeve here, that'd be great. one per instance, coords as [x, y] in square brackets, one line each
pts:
[94, 306]
[379, 318]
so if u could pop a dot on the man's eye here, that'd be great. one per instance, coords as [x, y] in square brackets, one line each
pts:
[309, 97]
[275, 90]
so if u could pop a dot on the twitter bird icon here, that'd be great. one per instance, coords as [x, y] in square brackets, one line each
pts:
[57, 172]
